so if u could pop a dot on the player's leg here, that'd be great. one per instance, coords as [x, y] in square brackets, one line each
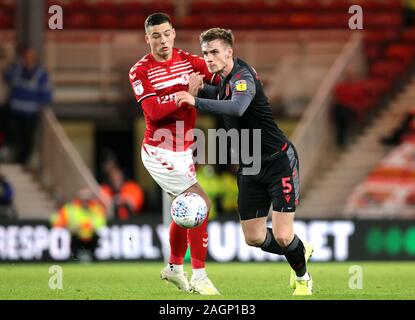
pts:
[254, 205]
[296, 252]
[161, 164]
[283, 188]
[198, 242]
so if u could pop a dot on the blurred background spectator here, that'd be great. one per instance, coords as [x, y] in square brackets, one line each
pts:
[29, 91]
[83, 217]
[126, 196]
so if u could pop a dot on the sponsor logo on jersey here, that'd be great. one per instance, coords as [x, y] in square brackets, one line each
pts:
[240, 85]
[138, 88]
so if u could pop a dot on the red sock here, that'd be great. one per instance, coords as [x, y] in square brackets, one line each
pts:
[198, 241]
[178, 243]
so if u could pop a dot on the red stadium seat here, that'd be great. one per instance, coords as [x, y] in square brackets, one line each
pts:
[79, 21]
[203, 7]
[273, 22]
[257, 7]
[108, 21]
[5, 22]
[160, 6]
[385, 21]
[302, 21]
[106, 7]
[189, 22]
[131, 7]
[332, 21]
[133, 21]
[372, 52]
[388, 69]
[401, 53]
[408, 36]
[77, 6]
[335, 6]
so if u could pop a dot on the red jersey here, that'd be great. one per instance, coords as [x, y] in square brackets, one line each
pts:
[155, 84]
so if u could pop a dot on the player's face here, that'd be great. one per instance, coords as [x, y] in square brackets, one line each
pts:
[218, 56]
[161, 40]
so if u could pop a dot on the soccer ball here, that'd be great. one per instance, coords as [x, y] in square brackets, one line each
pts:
[189, 210]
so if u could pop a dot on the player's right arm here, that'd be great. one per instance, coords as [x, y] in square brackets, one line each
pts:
[147, 97]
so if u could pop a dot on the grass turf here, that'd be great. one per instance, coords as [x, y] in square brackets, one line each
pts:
[236, 281]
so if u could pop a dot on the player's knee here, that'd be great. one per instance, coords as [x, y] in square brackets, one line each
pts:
[283, 239]
[254, 240]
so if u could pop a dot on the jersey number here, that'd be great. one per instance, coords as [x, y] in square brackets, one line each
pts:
[286, 184]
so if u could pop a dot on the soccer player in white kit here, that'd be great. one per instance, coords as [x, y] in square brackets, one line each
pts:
[166, 151]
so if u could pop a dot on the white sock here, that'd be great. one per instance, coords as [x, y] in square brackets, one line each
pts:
[199, 273]
[178, 268]
[306, 276]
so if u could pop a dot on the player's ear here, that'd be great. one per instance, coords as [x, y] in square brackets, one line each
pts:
[174, 33]
[147, 38]
[230, 52]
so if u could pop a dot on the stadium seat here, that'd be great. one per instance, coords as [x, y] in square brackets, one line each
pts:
[372, 52]
[159, 6]
[399, 52]
[335, 6]
[107, 21]
[203, 7]
[106, 7]
[80, 20]
[190, 22]
[332, 21]
[389, 69]
[77, 6]
[5, 21]
[273, 21]
[302, 21]
[131, 8]
[257, 7]
[408, 36]
[383, 21]
[133, 21]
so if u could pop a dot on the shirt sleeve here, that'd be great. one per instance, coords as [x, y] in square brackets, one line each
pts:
[140, 84]
[243, 92]
[146, 96]
[157, 111]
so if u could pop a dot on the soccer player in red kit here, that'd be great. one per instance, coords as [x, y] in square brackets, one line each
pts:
[166, 152]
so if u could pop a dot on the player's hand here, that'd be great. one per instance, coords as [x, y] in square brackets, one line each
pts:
[183, 97]
[195, 83]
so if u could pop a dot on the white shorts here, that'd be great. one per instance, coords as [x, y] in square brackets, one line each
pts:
[173, 171]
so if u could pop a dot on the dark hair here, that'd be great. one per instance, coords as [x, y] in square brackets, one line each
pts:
[156, 19]
[217, 34]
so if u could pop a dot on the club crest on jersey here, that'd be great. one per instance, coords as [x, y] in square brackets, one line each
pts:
[138, 88]
[240, 85]
[184, 79]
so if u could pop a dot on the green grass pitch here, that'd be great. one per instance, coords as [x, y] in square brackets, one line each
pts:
[236, 281]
